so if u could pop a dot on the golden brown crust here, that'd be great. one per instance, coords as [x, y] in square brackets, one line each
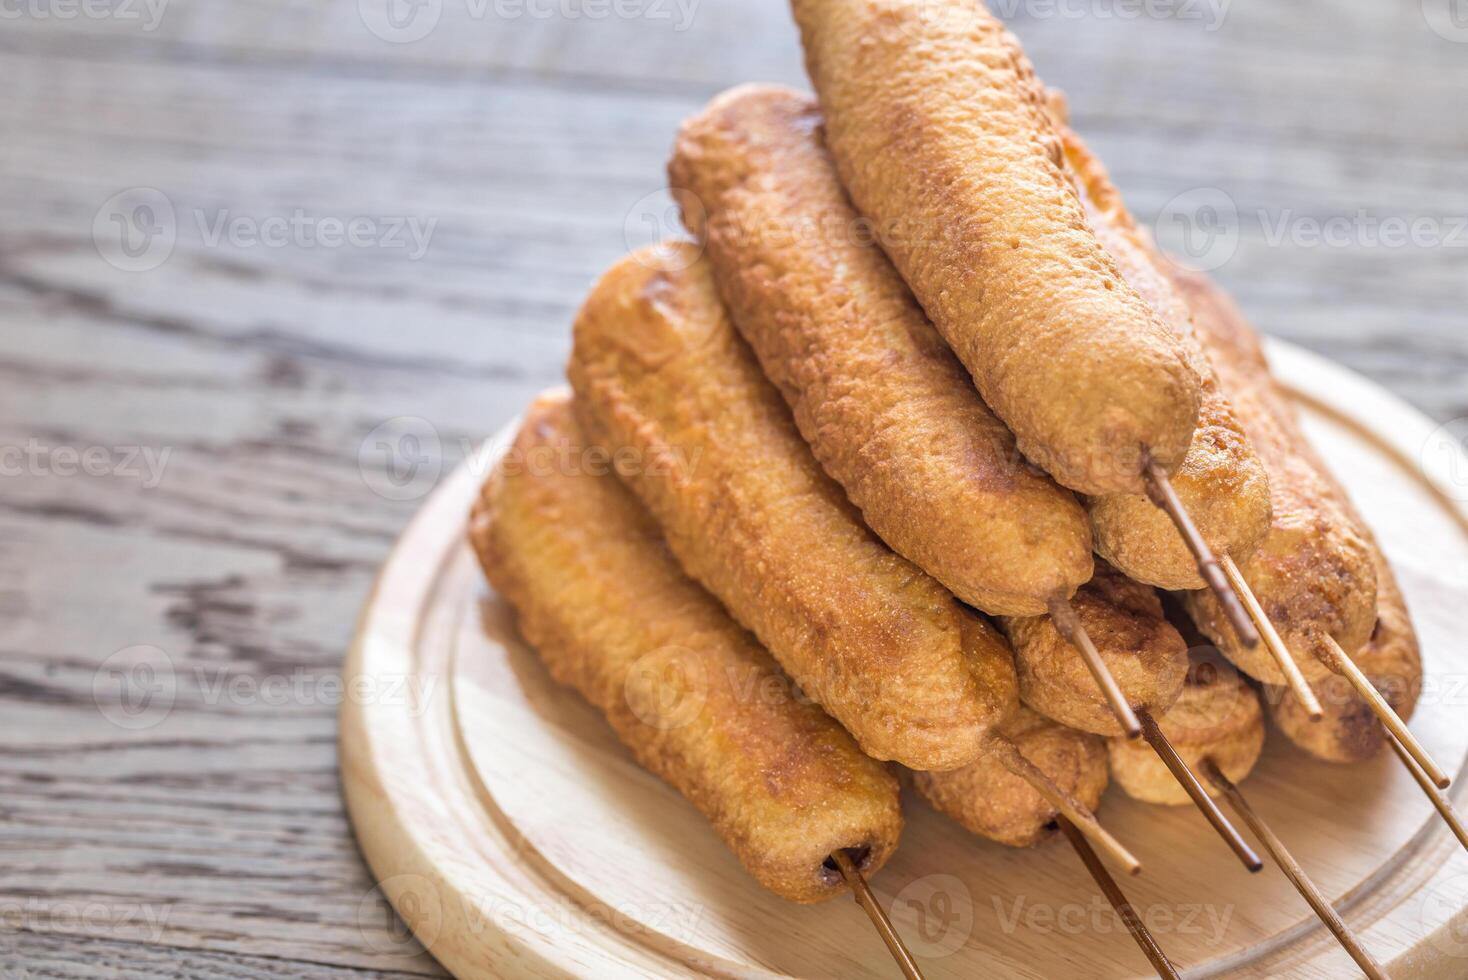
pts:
[1315, 572]
[987, 799]
[940, 132]
[887, 409]
[1222, 482]
[1392, 660]
[693, 696]
[991, 662]
[1144, 652]
[1217, 718]
[659, 372]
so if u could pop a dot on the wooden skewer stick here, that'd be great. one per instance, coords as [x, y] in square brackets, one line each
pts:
[1444, 808]
[862, 892]
[1072, 811]
[1294, 872]
[1335, 658]
[1164, 495]
[1118, 900]
[1063, 615]
[1189, 782]
[1287, 665]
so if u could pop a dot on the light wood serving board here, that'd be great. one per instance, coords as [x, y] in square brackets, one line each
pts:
[517, 839]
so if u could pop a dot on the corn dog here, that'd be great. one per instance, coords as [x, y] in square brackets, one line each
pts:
[1392, 659]
[613, 616]
[1314, 574]
[1032, 770]
[1217, 718]
[1222, 482]
[745, 508]
[886, 408]
[1143, 650]
[988, 799]
[940, 133]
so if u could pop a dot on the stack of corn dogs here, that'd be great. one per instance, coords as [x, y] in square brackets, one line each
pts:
[914, 431]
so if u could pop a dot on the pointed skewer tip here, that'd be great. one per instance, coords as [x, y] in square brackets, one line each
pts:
[1186, 778]
[1439, 801]
[1069, 809]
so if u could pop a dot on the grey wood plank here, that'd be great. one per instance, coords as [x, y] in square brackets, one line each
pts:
[516, 254]
[535, 148]
[42, 956]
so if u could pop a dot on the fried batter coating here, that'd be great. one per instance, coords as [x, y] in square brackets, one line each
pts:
[1222, 483]
[940, 132]
[1392, 660]
[1315, 574]
[987, 799]
[1144, 652]
[991, 662]
[708, 445]
[887, 409]
[1217, 718]
[692, 694]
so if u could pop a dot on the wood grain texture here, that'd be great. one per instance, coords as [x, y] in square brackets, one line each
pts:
[536, 144]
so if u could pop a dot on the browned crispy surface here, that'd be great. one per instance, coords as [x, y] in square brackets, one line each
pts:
[1222, 482]
[991, 661]
[1315, 572]
[939, 130]
[1144, 651]
[1350, 731]
[692, 694]
[987, 799]
[1217, 717]
[887, 409]
[663, 379]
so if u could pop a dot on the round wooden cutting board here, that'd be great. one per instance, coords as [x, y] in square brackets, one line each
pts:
[517, 839]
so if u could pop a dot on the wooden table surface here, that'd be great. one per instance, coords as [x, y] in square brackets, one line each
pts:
[268, 268]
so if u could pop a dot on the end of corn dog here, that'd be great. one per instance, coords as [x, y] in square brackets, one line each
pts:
[1144, 652]
[1221, 482]
[1392, 660]
[987, 799]
[1217, 717]
[1315, 572]
[663, 380]
[690, 693]
[1310, 576]
[887, 409]
[941, 134]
